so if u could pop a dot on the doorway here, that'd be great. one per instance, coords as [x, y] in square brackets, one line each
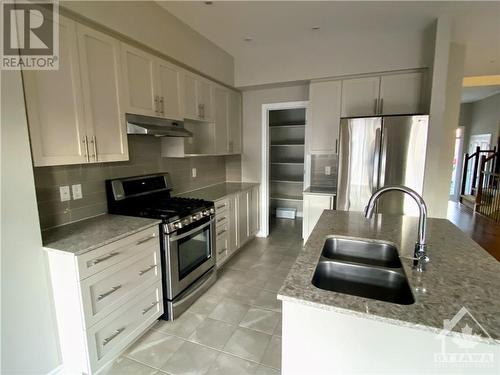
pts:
[283, 167]
[456, 174]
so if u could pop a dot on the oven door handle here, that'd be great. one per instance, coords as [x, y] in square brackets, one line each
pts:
[194, 230]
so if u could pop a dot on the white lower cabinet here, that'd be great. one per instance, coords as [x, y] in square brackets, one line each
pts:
[237, 221]
[314, 205]
[105, 299]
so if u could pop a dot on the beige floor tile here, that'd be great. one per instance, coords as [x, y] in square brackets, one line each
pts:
[212, 333]
[247, 344]
[182, 326]
[277, 330]
[154, 348]
[126, 366]
[229, 311]
[190, 359]
[275, 282]
[268, 300]
[229, 365]
[261, 320]
[244, 294]
[272, 355]
[205, 304]
[264, 370]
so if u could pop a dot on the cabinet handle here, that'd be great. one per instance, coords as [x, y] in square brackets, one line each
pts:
[107, 340]
[99, 260]
[111, 291]
[94, 144]
[86, 143]
[381, 109]
[221, 232]
[199, 110]
[149, 307]
[336, 146]
[149, 238]
[147, 269]
[221, 206]
[221, 251]
[220, 219]
[375, 102]
[156, 104]
[162, 108]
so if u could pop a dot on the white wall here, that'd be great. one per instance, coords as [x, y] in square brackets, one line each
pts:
[444, 114]
[153, 26]
[485, 118]
[346, 53]
[28, 337]
[251, 158]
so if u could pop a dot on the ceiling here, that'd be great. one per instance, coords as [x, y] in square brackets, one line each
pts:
[273, 23]
[473, 94]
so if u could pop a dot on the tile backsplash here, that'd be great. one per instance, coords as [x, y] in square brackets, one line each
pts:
[318, 164]
[144, 158]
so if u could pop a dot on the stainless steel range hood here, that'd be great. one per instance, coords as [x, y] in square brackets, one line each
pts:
[157, 126]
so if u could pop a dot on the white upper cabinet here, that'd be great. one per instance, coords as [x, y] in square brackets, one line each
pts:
[234, 123]
[75, 113]
[140, 82]
[221, 99]
[324, 116]
[205, 99]
[360, 96]
[55, 106]
[390, 94]
[170, 90]
[198, 98]
[401, 93]
[101, 83]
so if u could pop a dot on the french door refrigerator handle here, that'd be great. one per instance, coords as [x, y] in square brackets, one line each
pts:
[376, 160]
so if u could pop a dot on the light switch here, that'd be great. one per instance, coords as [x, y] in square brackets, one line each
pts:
[328, 170]
[77, 191]
[193, 172]
[64, 193]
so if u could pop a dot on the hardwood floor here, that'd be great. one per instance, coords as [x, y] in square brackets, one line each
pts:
[485, 232]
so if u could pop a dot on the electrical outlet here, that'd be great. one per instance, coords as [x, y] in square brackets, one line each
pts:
[193, 172]
[64, 193]
[77, 191]
[328, 170]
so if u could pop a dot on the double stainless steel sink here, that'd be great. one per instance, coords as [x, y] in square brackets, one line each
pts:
[363, 268]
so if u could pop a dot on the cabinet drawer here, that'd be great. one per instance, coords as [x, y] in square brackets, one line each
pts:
[107, 338]
[221, 247]
[221, 206]
[222, 219]
[97, 260]
[108, 290]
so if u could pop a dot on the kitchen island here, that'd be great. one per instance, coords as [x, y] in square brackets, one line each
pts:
[326, 332]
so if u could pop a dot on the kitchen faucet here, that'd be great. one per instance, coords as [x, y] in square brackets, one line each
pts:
[420, 257]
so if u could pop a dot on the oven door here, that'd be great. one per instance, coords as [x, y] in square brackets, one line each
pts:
[189, 254]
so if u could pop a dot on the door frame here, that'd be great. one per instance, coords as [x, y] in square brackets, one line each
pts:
[264, 178]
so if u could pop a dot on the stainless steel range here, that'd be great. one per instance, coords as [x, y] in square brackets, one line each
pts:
[187, 235]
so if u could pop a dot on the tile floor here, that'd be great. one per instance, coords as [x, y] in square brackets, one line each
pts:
[235, 327]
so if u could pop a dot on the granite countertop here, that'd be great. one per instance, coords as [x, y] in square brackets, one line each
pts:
[86, 235]
[218, 191]
[460, 274]
[321, 190]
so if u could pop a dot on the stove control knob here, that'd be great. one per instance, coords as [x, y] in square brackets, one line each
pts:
[206, 212]
[194, 217]
[212, 210]
[185, 222]
[177, 225]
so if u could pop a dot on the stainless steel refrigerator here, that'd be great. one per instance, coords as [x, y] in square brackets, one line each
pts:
[380, 151]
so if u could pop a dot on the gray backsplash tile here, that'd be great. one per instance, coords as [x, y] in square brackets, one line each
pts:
[144, 158]
[318, 164]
